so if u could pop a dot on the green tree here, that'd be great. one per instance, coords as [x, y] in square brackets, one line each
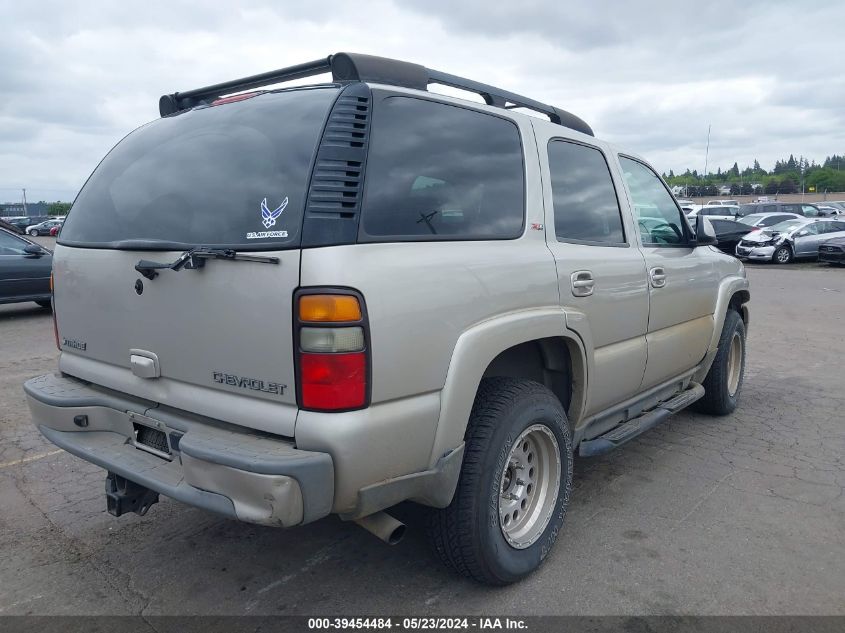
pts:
[58, 208]
[787, 185]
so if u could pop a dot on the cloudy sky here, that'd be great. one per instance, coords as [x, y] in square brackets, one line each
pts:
[649, 76]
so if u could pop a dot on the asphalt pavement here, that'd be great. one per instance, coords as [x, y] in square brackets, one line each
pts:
[737, 515]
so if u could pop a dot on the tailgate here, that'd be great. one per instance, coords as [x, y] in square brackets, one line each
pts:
[220, 335]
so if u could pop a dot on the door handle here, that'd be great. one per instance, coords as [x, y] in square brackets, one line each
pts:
[657, 276]
[582, 283]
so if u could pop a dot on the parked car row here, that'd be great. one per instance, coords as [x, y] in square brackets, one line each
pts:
[732, 210]
[795, 238]
[34, 225]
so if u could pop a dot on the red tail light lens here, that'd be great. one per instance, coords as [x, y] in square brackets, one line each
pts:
[333, 381]
[333, 354]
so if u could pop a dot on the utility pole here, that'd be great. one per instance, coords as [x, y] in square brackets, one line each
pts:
[25, 212]
[707, 153]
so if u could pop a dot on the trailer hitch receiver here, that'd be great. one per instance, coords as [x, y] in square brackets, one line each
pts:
[124, 496]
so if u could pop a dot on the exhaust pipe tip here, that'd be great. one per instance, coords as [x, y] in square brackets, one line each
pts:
[384, 526]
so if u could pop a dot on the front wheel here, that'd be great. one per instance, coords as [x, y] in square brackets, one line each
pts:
[723, 382]
[33, 232]
[514, 486]
[782, 255]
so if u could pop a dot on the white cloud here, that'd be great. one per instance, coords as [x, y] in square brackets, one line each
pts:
[650, 77]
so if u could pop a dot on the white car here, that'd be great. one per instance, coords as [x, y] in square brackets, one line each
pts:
[723, 203]
[716, 212]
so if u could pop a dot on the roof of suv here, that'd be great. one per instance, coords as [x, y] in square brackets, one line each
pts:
[351, 67]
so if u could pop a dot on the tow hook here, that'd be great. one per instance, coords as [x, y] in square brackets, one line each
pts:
[124, 496]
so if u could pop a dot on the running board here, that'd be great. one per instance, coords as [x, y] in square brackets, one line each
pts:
[627, 431]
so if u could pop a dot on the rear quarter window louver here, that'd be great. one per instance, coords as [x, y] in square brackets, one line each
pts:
[334, 195]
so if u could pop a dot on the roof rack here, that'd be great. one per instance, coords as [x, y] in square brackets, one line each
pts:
[356, 67]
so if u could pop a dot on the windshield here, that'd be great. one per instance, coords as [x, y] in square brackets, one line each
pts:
[233, 175]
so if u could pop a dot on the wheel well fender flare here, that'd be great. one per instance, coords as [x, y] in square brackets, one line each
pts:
[733, 294]
[478, 346]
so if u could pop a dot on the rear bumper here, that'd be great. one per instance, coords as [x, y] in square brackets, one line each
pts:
[251, 477]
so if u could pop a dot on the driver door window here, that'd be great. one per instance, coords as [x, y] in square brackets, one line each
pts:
[10, 245]
[659, 218]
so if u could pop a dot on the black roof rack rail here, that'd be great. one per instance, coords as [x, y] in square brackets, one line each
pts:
[356, 67]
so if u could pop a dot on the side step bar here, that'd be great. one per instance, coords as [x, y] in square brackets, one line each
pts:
[627, 431]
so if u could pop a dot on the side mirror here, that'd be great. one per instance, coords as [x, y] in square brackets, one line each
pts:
[705, 235]
[32, 250]
[802, 233]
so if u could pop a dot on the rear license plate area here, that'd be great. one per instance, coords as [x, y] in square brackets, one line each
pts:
[151, 436]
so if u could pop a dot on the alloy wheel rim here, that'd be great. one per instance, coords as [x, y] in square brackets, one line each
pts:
[783, 255]
[734, 364]
[530, 483]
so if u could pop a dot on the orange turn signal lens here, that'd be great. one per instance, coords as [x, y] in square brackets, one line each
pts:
[329, 308]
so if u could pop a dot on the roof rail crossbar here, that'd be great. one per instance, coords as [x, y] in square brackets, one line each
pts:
[169, 104]
[356, 67]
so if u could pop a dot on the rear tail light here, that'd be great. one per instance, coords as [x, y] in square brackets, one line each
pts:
[333, 363]
[53, 310]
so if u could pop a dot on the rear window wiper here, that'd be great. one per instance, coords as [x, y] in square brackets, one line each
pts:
[194, 258]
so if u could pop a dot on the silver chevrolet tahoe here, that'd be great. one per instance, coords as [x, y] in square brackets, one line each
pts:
[290, 302]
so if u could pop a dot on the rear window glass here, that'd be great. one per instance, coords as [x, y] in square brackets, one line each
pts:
[752, 219]
[585, 204]
[441, 172]
[230, 175]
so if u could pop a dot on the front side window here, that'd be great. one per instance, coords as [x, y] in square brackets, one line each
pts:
[810, 211]
[659, 218]
[441, 172]
[10, 245]
[585, 205]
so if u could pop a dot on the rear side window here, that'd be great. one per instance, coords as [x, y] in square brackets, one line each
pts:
[231, 175]
[585, 205]
[441, 172]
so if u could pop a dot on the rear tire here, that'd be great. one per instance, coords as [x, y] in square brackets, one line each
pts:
[782, 255]
[514, 486]
[723, 383]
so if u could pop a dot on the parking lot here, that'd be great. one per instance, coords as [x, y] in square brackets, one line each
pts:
[736, 515]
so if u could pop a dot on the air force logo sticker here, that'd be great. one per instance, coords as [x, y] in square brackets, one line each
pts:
[270, 217]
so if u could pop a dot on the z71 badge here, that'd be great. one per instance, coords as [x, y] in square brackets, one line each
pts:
[249, 383]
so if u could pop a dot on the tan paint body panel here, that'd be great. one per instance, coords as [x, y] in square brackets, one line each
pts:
[194, 321]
